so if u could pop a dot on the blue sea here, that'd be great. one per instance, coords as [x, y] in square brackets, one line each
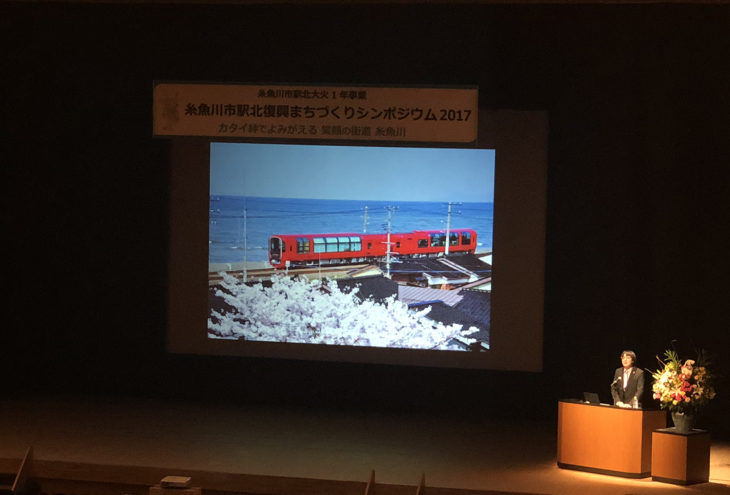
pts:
[237, 221]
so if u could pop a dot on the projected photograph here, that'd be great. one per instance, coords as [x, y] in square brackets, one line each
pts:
[352, 246]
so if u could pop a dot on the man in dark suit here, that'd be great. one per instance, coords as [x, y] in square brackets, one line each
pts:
[628, 381]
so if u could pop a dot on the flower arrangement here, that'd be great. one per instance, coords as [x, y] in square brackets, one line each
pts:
[682, 387]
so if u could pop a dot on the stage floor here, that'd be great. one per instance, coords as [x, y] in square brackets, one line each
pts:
[517, 456]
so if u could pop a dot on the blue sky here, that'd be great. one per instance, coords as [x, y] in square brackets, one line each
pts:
[352, 172]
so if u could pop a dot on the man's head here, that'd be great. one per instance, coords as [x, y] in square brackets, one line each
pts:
[628, 359]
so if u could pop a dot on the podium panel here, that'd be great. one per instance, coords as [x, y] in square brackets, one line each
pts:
[607, 439]
[680, 458]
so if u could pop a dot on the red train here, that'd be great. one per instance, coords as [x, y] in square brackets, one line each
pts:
[316, 249]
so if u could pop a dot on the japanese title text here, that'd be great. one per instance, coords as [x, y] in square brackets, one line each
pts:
[337, 112]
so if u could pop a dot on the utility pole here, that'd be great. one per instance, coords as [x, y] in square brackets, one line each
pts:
[245, 248]
[391, 209]
[365, 221]
[448, 228]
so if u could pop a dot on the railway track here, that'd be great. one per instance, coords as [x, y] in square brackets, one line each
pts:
[331, 271]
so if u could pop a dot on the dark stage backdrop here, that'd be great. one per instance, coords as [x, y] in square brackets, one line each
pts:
[638, 186]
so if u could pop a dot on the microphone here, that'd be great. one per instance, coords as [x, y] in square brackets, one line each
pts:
[616, 380]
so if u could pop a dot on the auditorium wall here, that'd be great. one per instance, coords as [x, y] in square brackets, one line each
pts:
[637, 214]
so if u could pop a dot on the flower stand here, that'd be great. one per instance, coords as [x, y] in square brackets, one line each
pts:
[680, 458]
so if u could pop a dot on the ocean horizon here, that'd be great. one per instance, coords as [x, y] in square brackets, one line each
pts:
[240, 226]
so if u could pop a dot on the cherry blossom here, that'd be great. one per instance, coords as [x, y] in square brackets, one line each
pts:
[318, 312]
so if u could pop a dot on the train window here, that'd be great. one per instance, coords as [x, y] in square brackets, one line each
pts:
[302, 245]
[438, 240]
[454, 239]
[319, 246]
[344, 243]
[465, 238]
[331, 244]
[397, 245]
[355, 244]
[422, 243]
[370, 245]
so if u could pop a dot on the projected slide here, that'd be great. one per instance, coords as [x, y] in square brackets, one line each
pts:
[355, 246]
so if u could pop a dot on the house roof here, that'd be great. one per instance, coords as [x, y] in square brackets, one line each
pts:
[478, 305]
[453, 267]
[447, 315]
[377, 287]
[410, 295]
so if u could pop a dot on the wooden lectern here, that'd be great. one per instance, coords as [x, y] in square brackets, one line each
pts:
[606, 439]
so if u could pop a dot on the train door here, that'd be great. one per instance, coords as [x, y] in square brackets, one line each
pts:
[276, 246]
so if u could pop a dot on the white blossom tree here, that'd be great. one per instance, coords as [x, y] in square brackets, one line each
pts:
[318, 312]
